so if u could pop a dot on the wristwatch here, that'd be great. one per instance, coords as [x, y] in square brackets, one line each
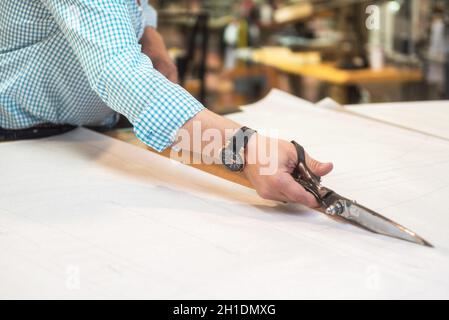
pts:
[233, 153]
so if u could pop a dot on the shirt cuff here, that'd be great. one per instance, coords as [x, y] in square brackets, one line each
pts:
[158, 125]
[155, 106]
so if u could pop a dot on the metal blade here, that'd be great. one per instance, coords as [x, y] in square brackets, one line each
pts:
[378, 223]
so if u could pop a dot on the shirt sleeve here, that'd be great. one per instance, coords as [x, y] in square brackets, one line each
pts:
[149, 15]
[103, 38]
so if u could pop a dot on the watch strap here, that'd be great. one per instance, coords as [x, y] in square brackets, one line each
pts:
[240, 139]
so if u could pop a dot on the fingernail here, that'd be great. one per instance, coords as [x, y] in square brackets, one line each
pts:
[325, 165]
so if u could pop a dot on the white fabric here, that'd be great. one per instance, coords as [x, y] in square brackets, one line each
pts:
[428, 117]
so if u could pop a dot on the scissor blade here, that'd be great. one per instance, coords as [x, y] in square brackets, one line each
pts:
[379, 224]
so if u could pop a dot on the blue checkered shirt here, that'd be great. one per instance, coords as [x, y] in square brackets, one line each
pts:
[79, 62]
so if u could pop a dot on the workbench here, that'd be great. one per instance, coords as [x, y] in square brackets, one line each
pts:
[282, 60]
[84, 215]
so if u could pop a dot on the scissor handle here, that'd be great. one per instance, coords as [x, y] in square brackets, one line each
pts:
[301, 165]
[310, 181]
[304, 176]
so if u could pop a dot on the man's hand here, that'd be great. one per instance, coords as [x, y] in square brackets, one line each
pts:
[153, 46]
[280, 185]
[279, 157]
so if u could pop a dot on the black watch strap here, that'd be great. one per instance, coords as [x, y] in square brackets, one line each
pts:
[240, 139]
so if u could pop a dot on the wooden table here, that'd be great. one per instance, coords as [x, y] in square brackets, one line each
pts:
[284, 61]
[127, 135]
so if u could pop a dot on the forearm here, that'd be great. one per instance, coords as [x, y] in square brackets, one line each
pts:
[152, 43]
[203, 129]
[154, 47]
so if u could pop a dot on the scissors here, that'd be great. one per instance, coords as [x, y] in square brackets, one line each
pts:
[333, 204]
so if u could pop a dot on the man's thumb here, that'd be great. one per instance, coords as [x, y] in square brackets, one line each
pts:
[319, 168]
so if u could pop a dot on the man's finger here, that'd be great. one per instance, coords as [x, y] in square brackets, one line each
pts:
[294, 192]
[274, 195]
[317, 167]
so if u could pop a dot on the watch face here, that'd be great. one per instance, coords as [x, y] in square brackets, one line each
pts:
[233, 161]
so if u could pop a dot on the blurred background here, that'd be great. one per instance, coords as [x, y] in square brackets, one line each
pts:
[232, 52]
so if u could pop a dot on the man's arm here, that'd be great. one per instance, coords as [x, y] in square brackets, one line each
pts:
[105, 43]
[154, 47]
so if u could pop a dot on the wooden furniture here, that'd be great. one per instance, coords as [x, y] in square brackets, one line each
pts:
[284, 61]
[127, 135]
